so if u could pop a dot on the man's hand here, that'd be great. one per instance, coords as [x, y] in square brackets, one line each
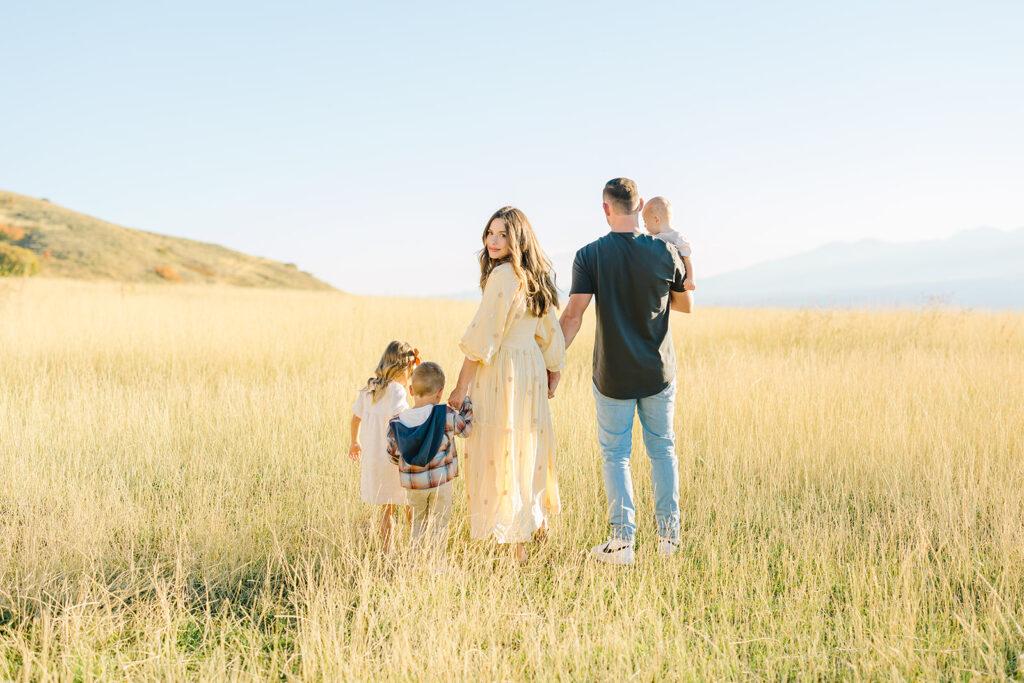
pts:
[688, 285]
[355, 451]
[553, 378]
[681, 301]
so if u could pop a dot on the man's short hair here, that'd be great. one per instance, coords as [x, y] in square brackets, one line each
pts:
[427, 379]
[622, 194]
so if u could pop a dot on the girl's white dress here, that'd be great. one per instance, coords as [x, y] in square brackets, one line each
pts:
[379, 479]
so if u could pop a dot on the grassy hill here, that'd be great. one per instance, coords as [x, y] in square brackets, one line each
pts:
[73, 245]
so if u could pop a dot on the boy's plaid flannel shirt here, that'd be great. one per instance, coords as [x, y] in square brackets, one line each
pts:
[444, 466]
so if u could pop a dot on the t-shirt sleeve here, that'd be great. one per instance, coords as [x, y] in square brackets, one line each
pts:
[682, 246]
[678, 272]
[399, 399]
[582, 280]
[359, 407]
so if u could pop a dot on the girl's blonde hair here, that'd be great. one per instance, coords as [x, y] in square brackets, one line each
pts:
[531, 265]
[397, 358]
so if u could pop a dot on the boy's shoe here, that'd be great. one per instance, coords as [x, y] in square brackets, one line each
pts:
[614, 551]
[667, 545]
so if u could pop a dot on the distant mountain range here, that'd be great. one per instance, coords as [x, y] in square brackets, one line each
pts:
[981, 268]
[72, 245]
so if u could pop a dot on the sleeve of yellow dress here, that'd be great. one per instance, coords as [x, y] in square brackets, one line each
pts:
[550, 340]
[483, 336]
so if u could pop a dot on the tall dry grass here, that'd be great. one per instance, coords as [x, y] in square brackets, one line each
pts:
[175, 501]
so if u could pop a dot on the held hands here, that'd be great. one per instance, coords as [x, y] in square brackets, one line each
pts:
[553, 378]
[355, 451]
[688, 285]
[457, 397]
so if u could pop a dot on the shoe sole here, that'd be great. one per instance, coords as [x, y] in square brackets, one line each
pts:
[603, 558]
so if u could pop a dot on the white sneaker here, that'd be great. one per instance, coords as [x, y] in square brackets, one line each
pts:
[667, 546]
[613, 551]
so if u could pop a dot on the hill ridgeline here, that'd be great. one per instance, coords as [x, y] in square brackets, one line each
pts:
[72, 245]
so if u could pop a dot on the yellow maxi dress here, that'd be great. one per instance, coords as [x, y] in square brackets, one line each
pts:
[509, 463]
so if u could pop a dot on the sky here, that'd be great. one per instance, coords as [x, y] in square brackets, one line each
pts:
[370, 142]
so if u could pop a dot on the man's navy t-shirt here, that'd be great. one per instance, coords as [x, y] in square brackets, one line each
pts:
[630, 276]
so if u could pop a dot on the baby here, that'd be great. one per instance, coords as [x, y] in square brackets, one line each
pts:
[658, 221]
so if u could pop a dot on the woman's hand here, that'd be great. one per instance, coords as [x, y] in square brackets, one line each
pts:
[466, 376]
[355, 451]
[553, 378]
[457, 396]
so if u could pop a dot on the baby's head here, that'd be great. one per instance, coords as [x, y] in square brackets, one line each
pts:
[428, 383]
[657, 215]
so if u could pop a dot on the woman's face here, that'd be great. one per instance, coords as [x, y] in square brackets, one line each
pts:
[497, 240]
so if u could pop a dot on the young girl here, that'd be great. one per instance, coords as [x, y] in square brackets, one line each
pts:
[383, 397]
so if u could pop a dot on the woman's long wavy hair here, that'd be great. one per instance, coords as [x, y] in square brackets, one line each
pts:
[397, 358]
[530, 263]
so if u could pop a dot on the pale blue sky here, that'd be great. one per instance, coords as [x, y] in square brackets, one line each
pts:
[369, 143]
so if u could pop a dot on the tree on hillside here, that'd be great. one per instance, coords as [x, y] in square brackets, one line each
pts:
[11, 233]
[17, 261]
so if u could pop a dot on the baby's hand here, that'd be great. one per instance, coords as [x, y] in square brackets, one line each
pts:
[355, 451]
[688, 285]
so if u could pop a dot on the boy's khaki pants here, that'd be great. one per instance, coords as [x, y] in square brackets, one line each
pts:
[431, 510]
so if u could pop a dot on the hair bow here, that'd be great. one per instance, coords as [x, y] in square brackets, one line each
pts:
[416, 358]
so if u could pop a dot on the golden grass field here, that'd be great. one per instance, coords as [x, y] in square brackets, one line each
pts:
[176, 500]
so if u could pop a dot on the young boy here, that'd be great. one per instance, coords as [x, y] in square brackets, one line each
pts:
[421, 442]
[658, 221]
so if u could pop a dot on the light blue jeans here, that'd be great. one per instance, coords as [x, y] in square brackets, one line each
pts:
[615, 434]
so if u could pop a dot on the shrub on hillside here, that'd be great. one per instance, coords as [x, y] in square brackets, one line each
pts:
[201, 269]
[17, 261]
[11, 233]
[168, 273]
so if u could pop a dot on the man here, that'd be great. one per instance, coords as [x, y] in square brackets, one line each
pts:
[635, 280]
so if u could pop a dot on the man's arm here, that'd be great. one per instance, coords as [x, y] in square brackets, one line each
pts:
[680, 301]
[572, 316]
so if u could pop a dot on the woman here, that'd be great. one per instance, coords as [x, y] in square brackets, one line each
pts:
[512, 347]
